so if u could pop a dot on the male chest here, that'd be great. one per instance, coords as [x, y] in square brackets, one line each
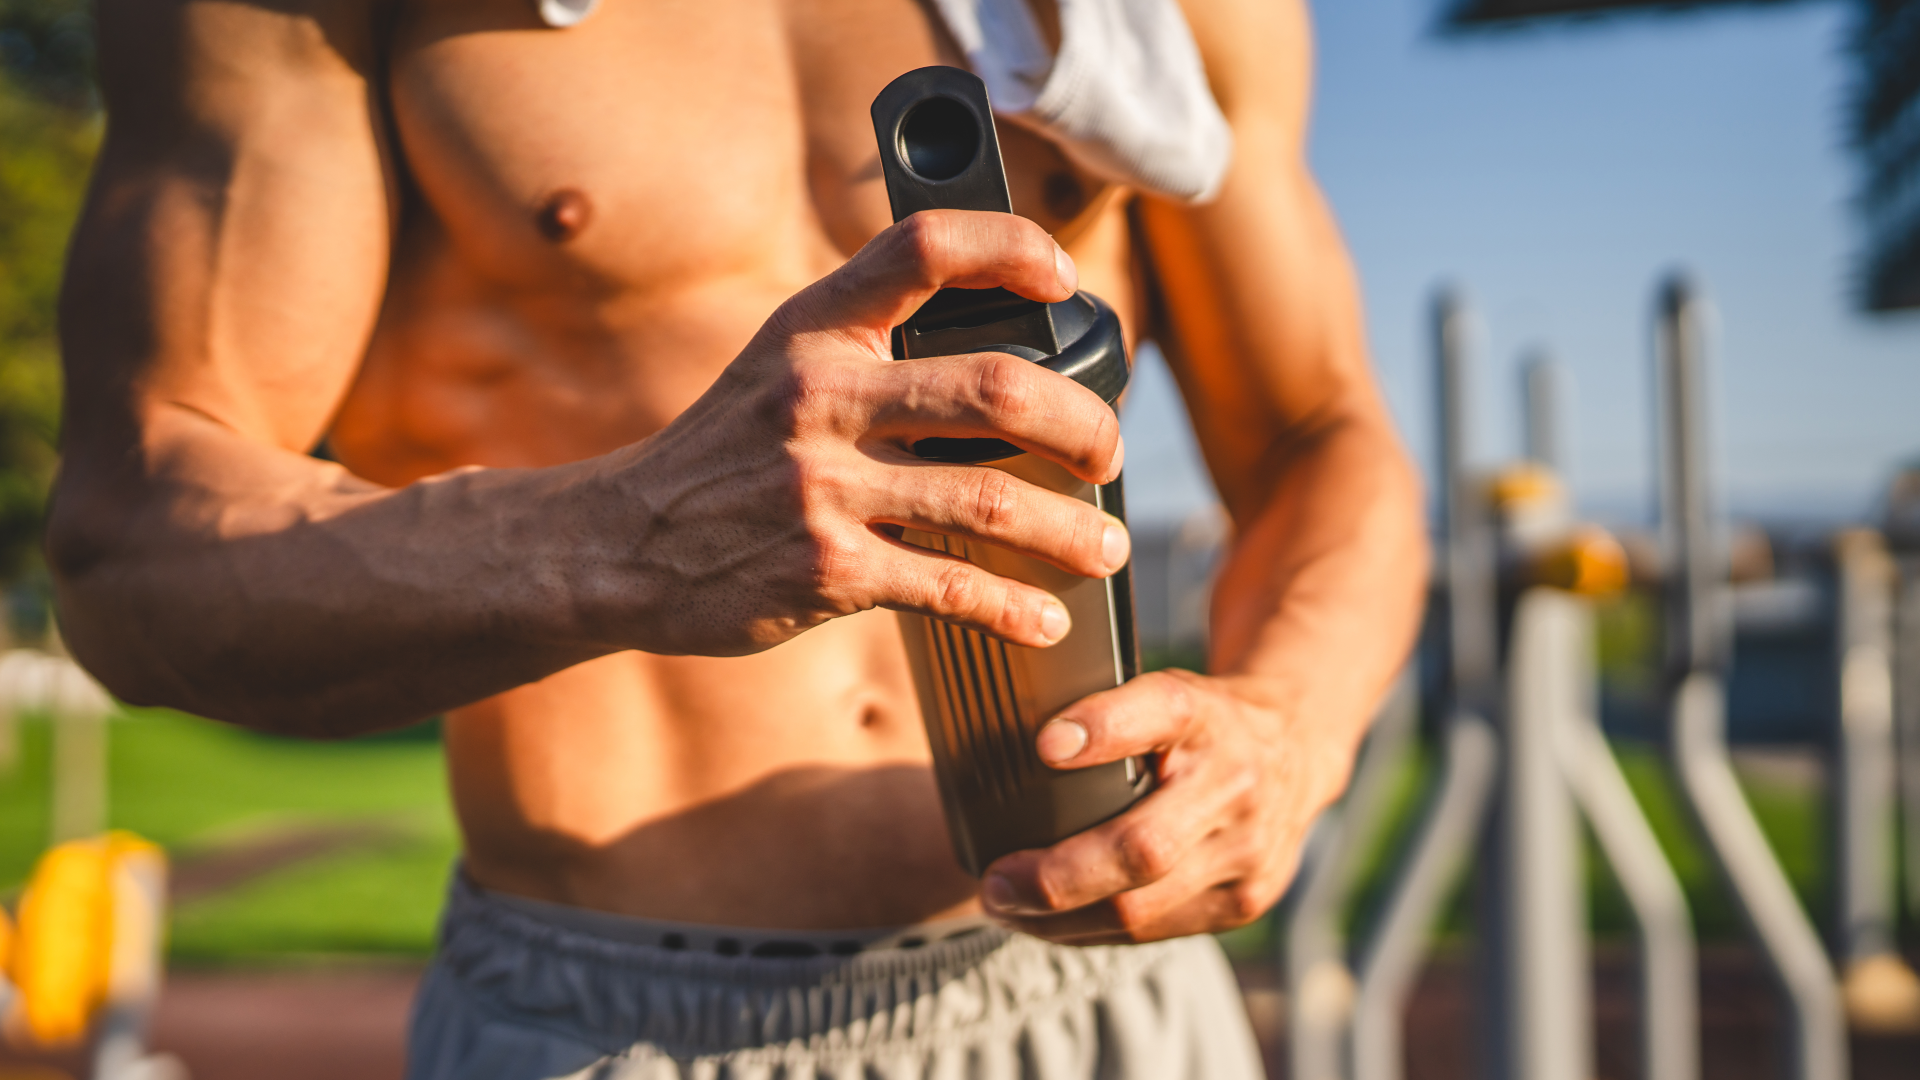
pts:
[655, 140]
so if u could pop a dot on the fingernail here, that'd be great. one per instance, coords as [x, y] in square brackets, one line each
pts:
[1061, 740]
[1119, 457]
[1001, 895]
[1063, 266]
[1054, 622]
[1115, 546]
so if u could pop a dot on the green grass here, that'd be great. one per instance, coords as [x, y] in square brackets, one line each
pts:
[1792, 817]
[194, 786]
[382, 901]
[191, 785]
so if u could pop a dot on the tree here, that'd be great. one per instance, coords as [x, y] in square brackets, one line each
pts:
[49, 131]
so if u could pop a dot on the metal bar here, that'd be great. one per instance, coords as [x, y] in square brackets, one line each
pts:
[1669, 1013]
[1542, 441]
[1863, 915]
[1471, 591]
[1457, 803]
[1907, 703]
[1697, 643]
[1320, 985]
[1818, 1049]
[1450, 822]
[1696, 607]
[1539, 998]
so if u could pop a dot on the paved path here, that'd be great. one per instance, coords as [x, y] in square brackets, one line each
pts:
[350, 1024]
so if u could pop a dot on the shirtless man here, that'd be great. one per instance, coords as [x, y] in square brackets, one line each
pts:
[594, 322]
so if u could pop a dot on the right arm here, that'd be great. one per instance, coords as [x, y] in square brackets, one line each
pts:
[222, 285]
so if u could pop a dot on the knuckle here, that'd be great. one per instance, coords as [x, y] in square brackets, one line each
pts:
[996, 499]
[819, 393]
[1177, 690]
[1004, 386]
[1244, 901]
[1145, 853]
[1240, 779]
[956, 590]
[1134, 915]
[821, 485]
[922, 238]
[1049, 892]
[836, 563]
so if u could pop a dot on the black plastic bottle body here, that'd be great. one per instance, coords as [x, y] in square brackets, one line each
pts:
[984, 700]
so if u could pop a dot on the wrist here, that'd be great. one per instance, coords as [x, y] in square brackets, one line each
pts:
[597, 533]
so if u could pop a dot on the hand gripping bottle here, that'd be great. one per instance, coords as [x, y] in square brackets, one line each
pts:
[984, 700]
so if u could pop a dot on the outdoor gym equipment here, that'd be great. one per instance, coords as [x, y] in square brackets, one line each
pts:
[1520, 749]
[1698, 638]
[85, 958]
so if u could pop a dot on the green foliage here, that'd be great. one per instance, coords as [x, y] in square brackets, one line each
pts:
[46, 150]
[47, 47]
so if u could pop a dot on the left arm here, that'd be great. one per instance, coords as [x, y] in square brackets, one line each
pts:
[1321, 593]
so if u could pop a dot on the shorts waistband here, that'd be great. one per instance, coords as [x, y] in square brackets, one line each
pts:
[557, 972]
[738, 940]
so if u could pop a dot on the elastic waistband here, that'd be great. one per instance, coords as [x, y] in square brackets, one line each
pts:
[738, 940]
[557, 970]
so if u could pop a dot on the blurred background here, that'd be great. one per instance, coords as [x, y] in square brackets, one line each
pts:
[1551, 160]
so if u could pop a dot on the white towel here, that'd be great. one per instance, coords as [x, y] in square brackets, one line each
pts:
[566, 12]
[1126, 96]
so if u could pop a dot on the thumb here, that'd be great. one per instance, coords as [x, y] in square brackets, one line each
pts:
[1153, 712]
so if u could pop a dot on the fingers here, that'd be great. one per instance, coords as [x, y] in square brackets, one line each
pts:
[991, 506]
[1140, 847]
[954, 590]
[889, 278]
[995, 395]
[1166, 910]
[1149, 713]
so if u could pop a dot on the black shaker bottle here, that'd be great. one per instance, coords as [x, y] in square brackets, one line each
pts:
[984, 700]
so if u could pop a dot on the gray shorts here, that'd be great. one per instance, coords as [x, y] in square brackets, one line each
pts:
[524, 991]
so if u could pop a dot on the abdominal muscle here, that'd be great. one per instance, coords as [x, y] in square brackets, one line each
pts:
[786, 789]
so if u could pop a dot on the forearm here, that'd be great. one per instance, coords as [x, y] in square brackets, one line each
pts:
[248, 584]
[1321, 594]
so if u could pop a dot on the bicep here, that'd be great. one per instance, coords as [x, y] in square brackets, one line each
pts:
[1260, 311]
[232, 255]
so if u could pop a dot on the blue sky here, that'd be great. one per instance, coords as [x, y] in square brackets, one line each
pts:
[1555, 174]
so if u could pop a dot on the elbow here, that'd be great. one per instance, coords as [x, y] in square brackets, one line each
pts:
[93, 560]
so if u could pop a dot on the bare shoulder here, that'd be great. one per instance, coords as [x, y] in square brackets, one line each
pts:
[183, 52]
[1259, 58]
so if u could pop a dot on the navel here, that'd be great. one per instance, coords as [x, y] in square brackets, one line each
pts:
[563, 215]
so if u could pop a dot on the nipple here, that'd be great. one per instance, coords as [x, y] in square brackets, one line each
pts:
[563, 215]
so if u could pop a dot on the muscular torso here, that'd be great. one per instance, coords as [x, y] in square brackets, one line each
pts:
[595, 221]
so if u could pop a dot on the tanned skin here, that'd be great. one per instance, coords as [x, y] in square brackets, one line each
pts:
[595, 323]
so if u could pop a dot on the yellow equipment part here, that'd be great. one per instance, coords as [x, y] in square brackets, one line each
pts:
[1524, 484]
[89, 932]
[1588, 561]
